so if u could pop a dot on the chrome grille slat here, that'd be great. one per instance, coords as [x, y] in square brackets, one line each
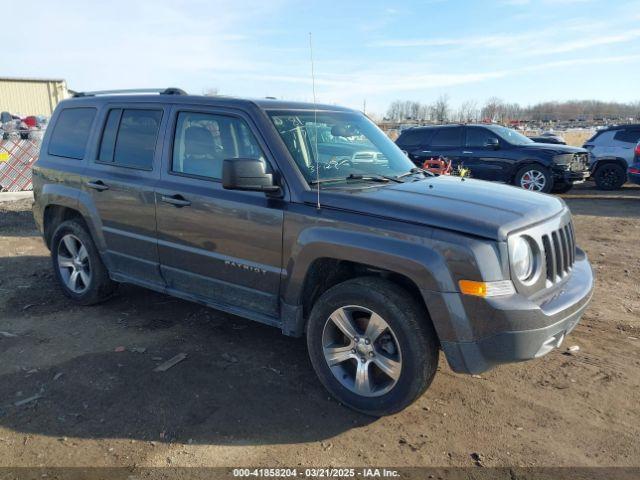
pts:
[550, 257]
[559, 250]
[555, 241]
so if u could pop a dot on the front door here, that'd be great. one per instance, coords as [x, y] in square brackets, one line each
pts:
[485, 162]
[121, 179]
[220, 246]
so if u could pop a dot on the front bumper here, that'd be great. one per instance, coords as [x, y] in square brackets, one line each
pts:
[569, 176]
[513, 329]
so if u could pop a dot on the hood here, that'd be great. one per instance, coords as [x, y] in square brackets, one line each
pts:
[553, 148]
[484, 209]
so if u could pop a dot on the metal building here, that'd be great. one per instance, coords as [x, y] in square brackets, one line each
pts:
[31, 96]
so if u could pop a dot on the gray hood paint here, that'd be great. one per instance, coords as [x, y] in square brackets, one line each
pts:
[469, 206]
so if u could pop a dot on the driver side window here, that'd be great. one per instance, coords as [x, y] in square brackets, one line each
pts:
[478, 137]
[203, 141]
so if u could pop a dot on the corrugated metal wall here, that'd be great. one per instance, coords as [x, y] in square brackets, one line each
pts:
[31, 97]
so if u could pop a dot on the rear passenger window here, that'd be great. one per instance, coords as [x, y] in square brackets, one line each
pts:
[628, 135]
[129, 138]
[448, 137]
[71, 132]
[203, 141]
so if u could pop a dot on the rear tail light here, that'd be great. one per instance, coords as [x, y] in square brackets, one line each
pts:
[637, 150]
[634, 170]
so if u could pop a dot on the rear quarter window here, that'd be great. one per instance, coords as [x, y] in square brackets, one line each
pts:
[71, 132]
[628, 135]
[414, 138]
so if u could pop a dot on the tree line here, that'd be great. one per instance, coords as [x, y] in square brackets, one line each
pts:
[497, 110]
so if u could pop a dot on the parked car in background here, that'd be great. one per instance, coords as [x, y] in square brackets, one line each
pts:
[611, 153]
[496, 153]
[634, 169]
[549, 137]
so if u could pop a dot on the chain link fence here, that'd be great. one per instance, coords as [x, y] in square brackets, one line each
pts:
[17, 156]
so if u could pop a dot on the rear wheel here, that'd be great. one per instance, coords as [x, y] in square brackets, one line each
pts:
[535, 178]
[610, 176]
[78, 266]
[372, 345]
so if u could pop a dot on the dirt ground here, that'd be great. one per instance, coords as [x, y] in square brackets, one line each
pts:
[246, 395]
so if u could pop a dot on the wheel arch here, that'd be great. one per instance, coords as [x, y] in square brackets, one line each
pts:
[525, 163]
[333, 257]
[600, 161]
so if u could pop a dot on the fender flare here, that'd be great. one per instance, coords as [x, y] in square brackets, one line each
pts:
[597, 161]
[54, 194]
[420, 263]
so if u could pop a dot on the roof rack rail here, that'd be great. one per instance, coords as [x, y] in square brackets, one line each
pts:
[161, 91]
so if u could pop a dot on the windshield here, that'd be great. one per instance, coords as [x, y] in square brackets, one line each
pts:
[510, 135]
[347, 145]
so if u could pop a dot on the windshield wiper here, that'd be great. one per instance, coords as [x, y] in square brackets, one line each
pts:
[415, 171]
[358, 176]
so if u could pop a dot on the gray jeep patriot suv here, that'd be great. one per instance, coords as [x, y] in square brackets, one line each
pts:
[307, 218]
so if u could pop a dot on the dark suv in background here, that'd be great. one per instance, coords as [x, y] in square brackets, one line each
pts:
[496, 153]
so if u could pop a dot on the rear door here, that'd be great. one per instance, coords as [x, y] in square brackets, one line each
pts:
[121, 180]
[447, 142]
[217, 245]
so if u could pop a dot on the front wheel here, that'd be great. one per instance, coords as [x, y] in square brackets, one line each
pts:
[372, 345]
[535, 178]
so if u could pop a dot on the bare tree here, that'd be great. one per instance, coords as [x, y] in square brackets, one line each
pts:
[492, 109]
[440, 109]
[211, 92]
[468, 111]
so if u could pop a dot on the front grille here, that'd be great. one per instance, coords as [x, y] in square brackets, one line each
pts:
[559, 252]
[579, 162]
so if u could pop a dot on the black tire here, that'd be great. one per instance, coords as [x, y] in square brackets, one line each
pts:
[610, 176]
[411, 327]
[99, 286]
[562, 187]
[520, 177]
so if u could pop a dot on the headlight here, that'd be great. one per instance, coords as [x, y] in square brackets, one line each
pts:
[522, 259]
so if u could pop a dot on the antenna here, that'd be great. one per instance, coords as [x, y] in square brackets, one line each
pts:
[315, 122]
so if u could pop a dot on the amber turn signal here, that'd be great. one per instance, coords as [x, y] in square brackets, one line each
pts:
[486, 289]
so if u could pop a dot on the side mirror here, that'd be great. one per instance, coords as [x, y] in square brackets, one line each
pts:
[492, 143]
[247, 174]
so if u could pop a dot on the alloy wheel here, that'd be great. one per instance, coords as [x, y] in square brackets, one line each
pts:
[533, 180]
[362, 351]
[73, 264]
[609, 177]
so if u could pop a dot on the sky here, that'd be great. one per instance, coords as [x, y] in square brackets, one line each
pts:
[370, 51]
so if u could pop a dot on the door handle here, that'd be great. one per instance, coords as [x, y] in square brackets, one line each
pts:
[176, 200]
[98, 185]
[467, 152]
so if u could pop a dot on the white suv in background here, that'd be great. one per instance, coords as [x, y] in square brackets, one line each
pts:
[611, 152]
